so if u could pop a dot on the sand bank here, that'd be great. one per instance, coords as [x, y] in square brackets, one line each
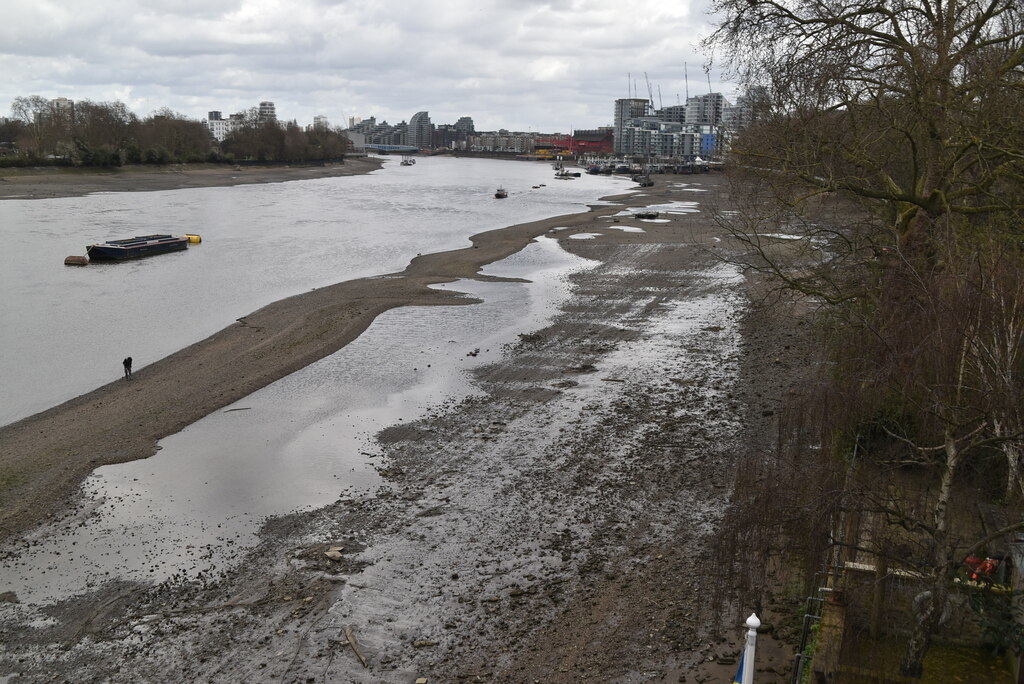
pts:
[44, 457]
[47, 183]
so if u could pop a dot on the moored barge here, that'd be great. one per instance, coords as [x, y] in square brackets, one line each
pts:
[137, 247]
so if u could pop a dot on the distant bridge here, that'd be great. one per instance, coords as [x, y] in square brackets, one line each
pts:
[403, 149]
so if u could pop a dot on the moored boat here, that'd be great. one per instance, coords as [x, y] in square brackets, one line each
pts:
[138, 246]
[500, 193]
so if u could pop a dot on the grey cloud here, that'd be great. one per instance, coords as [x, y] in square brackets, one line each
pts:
[520, 64]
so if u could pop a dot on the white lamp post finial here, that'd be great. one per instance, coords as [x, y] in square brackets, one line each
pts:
[748, 653]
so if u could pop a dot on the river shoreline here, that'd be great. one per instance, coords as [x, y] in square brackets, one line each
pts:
[44, 457]
[49, 183]
[558, 527]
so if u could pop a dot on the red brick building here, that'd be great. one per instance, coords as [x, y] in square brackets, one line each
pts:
[600, 141]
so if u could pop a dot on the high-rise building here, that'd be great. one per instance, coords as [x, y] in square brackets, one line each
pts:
[740, 115]
[700, 128]
[267, 112]
[705, 109]
[626, 110]
[673, 114]
[419, 132]
[62, 108]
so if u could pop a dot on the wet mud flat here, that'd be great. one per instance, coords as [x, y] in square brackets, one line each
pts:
[555, 528]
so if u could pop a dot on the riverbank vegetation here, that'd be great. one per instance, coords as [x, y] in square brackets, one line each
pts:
[42, 132]
[887, 166]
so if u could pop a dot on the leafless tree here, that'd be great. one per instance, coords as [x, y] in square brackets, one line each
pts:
[104, 123]
[175, 136]
[997, 354]
[908, 105]
[37, 114]
[905, 109]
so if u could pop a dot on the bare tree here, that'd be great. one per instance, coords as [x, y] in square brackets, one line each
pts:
[907, 110]
[907, 105]
[166, 135]
[997, 353]
[932, 326]
[104, 123]
[35, 112]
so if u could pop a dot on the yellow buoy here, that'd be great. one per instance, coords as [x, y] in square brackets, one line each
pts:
[193, 239]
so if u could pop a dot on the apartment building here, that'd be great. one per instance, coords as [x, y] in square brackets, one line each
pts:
[684, 132]
[267, 112]
[220, 127]
[419, 131]
[626, 111]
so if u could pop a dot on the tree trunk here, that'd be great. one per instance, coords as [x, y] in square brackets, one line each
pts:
[912, 664]
[1013, 481]
[940, 515]
[878, 596]
[929, 614]
[928, 607]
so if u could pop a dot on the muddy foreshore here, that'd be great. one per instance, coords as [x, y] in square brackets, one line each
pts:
[555, 529]
[45, 457]
[51, 182]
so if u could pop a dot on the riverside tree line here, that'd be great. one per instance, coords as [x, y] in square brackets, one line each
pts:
[888, 140]
[108, 134]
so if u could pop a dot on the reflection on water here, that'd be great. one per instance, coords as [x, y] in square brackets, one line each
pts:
[64, 330]
[301, 442]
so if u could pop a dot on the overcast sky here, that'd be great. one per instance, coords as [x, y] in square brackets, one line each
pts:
[528, 65]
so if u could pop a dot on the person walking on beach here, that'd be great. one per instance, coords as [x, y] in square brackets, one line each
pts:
[127, 368]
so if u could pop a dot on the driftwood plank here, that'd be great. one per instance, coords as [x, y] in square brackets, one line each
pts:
[355, 647]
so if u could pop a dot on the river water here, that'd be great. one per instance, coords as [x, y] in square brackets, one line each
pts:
[64, 330]
[307, 439]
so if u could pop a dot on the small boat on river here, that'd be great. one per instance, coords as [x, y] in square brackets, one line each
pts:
[138, 247]
[500, 193]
